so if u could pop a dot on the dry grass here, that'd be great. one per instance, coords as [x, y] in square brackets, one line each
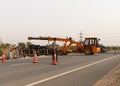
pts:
[111, 79]
[6, 51]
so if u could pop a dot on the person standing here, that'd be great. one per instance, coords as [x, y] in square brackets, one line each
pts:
[10, 54]
[54, 50]
[17, 52]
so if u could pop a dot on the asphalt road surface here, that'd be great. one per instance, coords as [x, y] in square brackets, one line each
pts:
[71, 70]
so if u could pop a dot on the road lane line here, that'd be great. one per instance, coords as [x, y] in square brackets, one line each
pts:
[18, 64]
[70, 71]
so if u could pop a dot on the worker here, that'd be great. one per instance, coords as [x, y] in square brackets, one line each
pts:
[34, 52]
[17, 52]
[54, 50]
[10, 54]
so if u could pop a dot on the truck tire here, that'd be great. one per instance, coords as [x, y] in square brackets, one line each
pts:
[88, 51]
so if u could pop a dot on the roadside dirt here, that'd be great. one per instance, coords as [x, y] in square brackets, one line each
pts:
[110, 79]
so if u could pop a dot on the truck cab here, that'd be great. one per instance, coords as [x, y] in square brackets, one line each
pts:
[90, 45]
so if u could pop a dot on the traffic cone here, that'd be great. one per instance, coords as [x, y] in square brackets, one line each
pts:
[3, 58]
[55, 59]
[35, 60]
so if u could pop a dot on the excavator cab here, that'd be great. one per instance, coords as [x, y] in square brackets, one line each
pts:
[90, 45]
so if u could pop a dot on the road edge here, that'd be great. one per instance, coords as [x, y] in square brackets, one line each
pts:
[112, 78]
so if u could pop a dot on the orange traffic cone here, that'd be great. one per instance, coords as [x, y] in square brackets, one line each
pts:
[35, 60]
[55, 59]
[3, 58]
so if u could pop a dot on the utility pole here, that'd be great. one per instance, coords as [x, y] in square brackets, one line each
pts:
[81, 37]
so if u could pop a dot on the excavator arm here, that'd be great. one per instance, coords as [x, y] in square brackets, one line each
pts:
[66, 40]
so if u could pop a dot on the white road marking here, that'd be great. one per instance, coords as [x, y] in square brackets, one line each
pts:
[64, 73]
[18, 64]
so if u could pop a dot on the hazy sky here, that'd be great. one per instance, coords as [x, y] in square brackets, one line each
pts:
[60, 18]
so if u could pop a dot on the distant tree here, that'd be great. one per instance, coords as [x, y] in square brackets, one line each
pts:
[21, 44]
[109, 48]
[1, 53]
[28, 43]
[7, 44]
[3, 45]
[118, 47]
[114, 47]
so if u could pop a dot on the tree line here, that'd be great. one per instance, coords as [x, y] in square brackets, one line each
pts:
[4, 47]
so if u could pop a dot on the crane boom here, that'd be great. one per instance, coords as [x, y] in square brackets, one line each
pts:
[50, 38]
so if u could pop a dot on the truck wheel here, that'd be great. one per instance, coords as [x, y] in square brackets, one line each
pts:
[87, 52]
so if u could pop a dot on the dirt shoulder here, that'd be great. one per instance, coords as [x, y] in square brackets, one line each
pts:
[110, 79]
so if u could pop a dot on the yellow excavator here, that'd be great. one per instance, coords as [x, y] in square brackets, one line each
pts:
[89, 46]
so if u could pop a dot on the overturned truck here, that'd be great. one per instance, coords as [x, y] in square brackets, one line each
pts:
[40, 50]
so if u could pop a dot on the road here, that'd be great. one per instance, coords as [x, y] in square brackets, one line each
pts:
[72, 70]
